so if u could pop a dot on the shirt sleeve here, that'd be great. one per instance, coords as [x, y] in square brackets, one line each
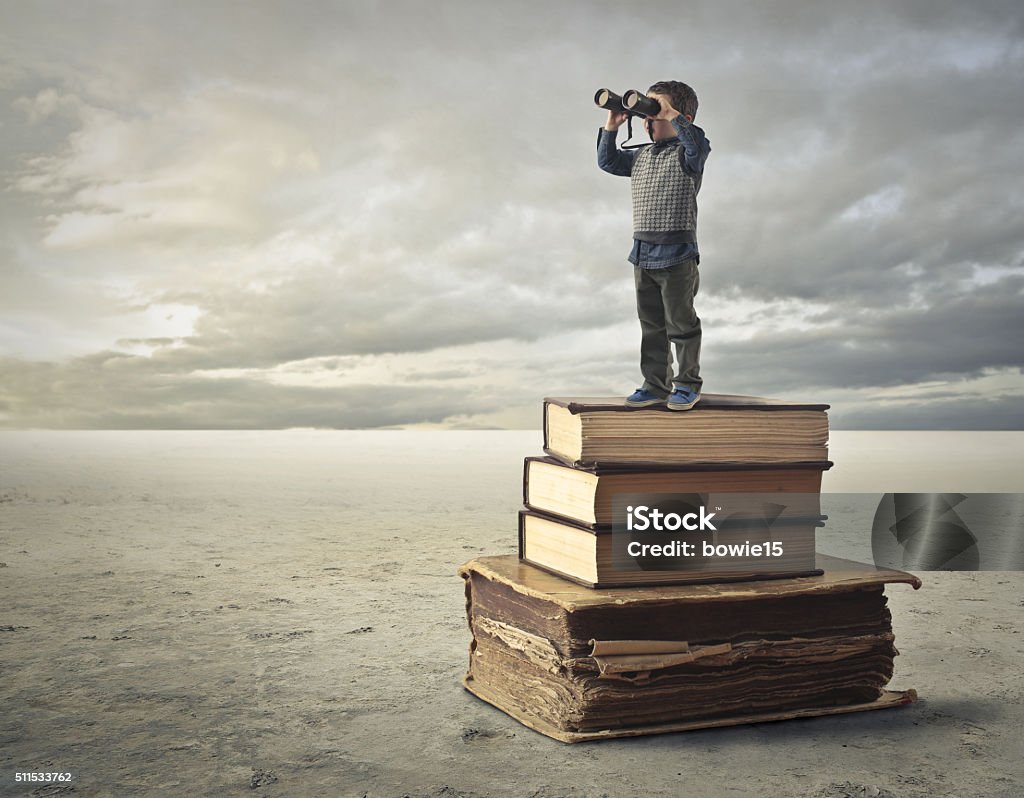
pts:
[610, 158]
[696, 146]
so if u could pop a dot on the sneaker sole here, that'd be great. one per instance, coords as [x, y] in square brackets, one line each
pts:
[645, 404]
[678, 406]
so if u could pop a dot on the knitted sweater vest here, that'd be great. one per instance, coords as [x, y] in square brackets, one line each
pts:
[664, 196]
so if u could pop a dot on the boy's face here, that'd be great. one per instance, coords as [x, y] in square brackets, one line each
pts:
[659, 129]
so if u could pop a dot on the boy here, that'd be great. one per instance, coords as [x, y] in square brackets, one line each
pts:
[665, 177]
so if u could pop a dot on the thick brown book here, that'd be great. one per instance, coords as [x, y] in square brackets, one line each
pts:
[584, 494]
[720, 429]
[587, 555]
[582, 664]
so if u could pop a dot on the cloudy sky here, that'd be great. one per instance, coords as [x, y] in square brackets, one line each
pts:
[361, 214]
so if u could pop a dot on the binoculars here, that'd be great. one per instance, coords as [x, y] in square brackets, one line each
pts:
[632, 102]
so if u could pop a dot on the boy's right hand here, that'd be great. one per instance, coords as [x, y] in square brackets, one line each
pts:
[615, 121]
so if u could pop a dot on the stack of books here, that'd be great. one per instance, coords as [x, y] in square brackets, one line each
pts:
[600, 449]
[575, 644]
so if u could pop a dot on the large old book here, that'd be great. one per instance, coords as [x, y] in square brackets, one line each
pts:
[588, 554]
[584, 494]
[721, 429]
[582, 664]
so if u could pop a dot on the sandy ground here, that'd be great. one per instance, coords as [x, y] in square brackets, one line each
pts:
[277, 614]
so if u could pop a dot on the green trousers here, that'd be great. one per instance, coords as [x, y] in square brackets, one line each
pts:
[664, 304]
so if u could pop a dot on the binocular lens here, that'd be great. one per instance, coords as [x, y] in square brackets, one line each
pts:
[639, 103]
[606, 98]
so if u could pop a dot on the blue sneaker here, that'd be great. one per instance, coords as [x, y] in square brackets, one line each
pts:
[683, 399]
[642, 398]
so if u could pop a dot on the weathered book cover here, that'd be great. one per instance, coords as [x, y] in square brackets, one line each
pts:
[694, 470]
[708, 401]
[582, 664]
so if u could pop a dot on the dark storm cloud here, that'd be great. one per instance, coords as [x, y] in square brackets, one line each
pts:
[341, 185]
[110, 391]
[887, 348]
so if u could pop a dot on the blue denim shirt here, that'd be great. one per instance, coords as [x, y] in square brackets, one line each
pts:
[693, 154]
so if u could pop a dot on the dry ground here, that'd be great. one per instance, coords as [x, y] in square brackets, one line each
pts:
[277, 614]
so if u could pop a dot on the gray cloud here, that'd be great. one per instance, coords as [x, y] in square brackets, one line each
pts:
[111, 391]
[241, 216]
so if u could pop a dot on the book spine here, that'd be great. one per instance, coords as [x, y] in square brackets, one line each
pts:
[544, 424]
[526, 480]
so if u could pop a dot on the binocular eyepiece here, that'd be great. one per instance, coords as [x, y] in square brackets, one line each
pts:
[632, 102]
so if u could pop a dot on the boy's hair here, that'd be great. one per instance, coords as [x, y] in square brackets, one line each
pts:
[684, 99]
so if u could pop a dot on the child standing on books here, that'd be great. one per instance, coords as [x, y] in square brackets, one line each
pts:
[665, 177]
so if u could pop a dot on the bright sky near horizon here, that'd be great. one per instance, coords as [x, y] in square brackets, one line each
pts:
[361, 214]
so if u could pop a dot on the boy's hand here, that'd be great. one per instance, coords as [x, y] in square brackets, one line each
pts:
[615, 121]
[668, 113]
